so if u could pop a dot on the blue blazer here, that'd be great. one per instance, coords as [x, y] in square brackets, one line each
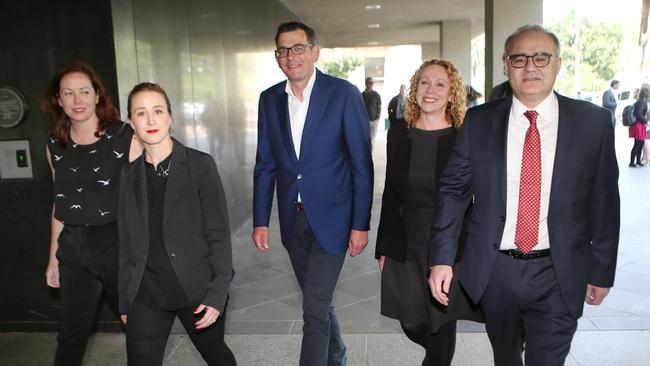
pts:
[584, 208]
[334, 174]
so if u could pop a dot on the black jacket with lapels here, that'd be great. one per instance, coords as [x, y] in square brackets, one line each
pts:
[196, 232]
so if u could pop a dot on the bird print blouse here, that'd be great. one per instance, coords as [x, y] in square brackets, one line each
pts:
[86, 177]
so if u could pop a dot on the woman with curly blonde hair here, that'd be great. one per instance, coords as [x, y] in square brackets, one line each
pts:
[454, 109]
[416, 154]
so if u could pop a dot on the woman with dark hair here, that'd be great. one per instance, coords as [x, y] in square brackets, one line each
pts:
[86, 151]
[638, 129]
[416, 155]
[175, 253]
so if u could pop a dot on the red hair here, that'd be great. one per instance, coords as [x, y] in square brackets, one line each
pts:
[105, 110]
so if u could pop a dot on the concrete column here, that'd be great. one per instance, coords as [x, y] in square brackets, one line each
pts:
[430, 50]
[502, 17]
[456, 40]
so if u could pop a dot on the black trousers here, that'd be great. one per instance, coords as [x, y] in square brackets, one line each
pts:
[147, 331]
[636, 151]
[87, 264]
[524, 311]
[439, 347]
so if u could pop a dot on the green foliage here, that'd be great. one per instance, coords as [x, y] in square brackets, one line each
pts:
[599, 50]
[341, 67]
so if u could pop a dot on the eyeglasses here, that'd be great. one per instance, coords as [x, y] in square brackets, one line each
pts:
[296, 49]
[519, 61]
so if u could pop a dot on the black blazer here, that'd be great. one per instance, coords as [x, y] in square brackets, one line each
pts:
[391, 236]
[584, 207]
[196, 232]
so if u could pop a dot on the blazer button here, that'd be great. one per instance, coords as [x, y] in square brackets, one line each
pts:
[502, 218]
[495, 246]
[299, 176]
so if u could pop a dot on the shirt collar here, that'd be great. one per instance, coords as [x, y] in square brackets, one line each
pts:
[545, 109]
[305, 93]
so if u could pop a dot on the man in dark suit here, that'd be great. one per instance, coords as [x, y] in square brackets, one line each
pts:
[543, 234]
[314, 143]
[609, 99]
[396, 107]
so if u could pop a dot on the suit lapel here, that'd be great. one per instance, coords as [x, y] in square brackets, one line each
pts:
[566, 137]
[317, 105]
[177, 175]
[284, 121]
[500, 133]
[140, 183]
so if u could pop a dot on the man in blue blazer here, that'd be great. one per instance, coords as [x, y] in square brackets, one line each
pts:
[314, 143]
[542, 238]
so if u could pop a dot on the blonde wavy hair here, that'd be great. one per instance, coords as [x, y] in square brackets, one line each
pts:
[455, 110]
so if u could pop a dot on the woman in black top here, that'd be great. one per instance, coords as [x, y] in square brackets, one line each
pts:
[637, 130]
[417, 152]
[175, 251]
[86, 151]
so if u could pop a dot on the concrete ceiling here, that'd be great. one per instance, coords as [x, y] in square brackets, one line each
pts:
[344, 23]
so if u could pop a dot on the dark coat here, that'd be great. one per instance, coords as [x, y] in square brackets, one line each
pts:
[196, 232]
[584, 207]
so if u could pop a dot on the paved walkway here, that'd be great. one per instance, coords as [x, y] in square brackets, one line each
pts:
[264, 320]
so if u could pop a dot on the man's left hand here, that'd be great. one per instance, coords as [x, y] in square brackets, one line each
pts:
[595, 295]
[358, 241]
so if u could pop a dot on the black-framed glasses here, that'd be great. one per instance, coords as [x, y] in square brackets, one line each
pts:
[296, 49]
[540, 59]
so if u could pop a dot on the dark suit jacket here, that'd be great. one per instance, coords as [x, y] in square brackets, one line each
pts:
[391, 236]
[609, 102]
[196, 233]
[584, 208]
[392, 110]
[334, 174]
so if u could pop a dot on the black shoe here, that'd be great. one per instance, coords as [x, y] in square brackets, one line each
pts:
[632, 165]
[639, 164]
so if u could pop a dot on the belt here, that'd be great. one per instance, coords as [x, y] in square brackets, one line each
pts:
[517, 254]
[300, 207]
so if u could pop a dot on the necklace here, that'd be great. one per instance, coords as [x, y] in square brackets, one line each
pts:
[165, 172]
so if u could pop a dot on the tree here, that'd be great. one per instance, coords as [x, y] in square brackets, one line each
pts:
[596, 45]
[341, 67]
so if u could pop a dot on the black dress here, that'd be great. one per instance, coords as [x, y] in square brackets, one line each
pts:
[405, 293]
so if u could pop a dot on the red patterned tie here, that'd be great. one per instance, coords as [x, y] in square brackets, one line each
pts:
[530, 186]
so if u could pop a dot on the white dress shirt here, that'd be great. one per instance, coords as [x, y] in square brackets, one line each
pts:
[298, 112]
[547, 124]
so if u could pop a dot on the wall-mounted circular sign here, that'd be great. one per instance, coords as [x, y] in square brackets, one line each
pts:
[12, 107]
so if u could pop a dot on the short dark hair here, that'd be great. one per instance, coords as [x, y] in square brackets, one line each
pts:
[614, 82]
[151, 87]
[292, 26]
[530, 28]
[643, 94]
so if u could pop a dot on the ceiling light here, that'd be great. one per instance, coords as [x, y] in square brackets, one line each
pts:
[373, 7]
[373, 43]
[376, 25]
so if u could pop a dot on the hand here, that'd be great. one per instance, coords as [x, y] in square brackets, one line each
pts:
[380, 261]
[357, 242]
[440, 282]
[211, 315]
[123, 318]
[260, 237]
[595, 295]
[52, 273]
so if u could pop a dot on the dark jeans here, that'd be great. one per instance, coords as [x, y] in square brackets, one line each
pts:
[147, 330]
[523, 306]
[439, 347]
[317, 273]
[636, 151]
[87, 263]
